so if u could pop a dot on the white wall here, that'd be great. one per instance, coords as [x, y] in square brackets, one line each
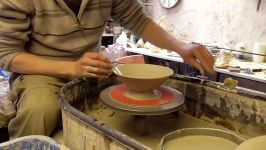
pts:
[225, 21]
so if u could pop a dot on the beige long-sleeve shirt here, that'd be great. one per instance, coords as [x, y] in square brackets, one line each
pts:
[50, 29]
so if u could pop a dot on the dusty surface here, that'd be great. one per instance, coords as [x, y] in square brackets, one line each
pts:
[240, 112]
[228, 22]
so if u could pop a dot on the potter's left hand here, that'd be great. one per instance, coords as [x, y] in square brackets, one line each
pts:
[92, 65]
[198, 56]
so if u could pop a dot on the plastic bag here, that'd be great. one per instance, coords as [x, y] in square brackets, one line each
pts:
[7, 109]
[113, 52]
[122, 40]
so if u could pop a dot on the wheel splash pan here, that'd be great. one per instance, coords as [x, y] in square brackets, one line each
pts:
[83, 131]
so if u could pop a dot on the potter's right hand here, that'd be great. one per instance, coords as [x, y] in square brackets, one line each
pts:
[92, 65]
[198, 56]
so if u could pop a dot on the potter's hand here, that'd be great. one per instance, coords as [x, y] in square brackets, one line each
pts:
[93, 65]
[198, 56]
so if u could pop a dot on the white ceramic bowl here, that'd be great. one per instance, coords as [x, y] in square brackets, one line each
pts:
[200, 138]
[142, 77]
[256, 143]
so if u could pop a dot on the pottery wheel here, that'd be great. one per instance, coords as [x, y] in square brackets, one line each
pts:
[163, 100]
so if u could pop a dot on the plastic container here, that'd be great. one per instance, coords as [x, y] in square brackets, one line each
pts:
[259, 48]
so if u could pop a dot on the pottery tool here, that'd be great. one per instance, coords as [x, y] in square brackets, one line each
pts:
[234, 69]
[222, 66]
[233, 50]
[258, 5]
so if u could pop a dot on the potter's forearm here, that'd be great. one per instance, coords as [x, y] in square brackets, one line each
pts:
[32, 64]
[161, 38]
[194, 54]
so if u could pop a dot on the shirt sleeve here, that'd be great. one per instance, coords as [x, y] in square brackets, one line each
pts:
[14, 29]
[129, 13]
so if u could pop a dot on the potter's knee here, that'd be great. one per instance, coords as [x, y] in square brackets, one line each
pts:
[40, 101]
[41, 110]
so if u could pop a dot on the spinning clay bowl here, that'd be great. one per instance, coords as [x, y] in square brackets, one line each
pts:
[142, 78]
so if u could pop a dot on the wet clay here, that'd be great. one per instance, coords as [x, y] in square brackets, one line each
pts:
[200, 142]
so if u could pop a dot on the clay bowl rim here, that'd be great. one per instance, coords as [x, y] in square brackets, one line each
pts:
[171, 72]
